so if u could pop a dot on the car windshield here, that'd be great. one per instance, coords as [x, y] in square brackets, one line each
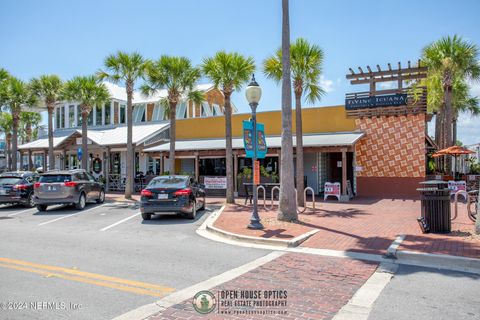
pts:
[168, 182]
[52, 178]
[7, 181]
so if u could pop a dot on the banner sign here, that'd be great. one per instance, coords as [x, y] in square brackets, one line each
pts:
[79, 153]
[455, 186]
[215, 182]
[391, 100]
[248, 141]
[331, 189]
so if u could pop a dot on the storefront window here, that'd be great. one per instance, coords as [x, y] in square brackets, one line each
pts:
[115, 163]
[153, 166]
[212, 167]
[108, 113]
[71, 116]
[122, 113]
[60, 114]
[90, 118]
[270, 164]
[98, 111]
[115, 112]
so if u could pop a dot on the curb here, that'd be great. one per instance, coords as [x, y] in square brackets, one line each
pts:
[295, 242]
[438, 261]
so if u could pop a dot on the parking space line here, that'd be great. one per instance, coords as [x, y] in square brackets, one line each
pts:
[14, 214]
[70, 215]
[119, 222]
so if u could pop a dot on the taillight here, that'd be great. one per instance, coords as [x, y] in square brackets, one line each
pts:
[37, 185]
[20, 187]
[146, 193]
[183, 192]
[70, 184]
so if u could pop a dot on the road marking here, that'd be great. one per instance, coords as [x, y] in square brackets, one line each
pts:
[70, 215]
[137, 287]
[121, 221]
[14, 214]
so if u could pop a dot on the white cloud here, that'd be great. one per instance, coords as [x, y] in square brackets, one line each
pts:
[326, 84]
[387, 85]
[475, 89]
[468, 128]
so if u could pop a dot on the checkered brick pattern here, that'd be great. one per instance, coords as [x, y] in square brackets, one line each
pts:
[394, 146]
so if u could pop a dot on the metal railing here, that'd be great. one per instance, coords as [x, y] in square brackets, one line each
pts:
[272, 203]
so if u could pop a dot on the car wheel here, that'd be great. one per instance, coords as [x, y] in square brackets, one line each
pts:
[101, 197]
[80, 205]
[193, 214]
[41, 207]
[30, 202]
[146, 216]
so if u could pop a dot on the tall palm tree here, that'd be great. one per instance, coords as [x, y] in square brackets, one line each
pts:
[89, 92]
[228, 71]
[3, 74]
[306, 68]
[178, 77]
[16, 94]
[126, 68]
[451, 58]
[30, 120]
[49, 89]
[287, 207]
[6, 124]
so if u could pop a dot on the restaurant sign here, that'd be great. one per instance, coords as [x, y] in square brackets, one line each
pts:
[215, 182]
[391, 100]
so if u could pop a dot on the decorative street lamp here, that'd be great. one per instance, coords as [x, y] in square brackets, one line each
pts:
[253, 94]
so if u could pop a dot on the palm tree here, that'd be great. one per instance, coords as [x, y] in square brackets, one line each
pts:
[49, 89]
[287, 207]
[29, 120]
[3, 74]
[15, 94]
[6, 123]
[178, 77]
[89, 92]
[450, 58]
[127, 68]
[306, 67]
[228, 71]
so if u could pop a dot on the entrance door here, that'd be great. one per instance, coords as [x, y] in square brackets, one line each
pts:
[335, 168]
[115, 164]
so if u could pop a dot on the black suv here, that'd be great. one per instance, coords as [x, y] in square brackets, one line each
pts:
[17, 187]
[74, 187]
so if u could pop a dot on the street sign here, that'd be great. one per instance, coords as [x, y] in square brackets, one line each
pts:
[248, 141]
[256, 173]
[79, 153]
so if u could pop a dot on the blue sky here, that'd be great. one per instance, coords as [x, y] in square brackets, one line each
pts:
[72, 38]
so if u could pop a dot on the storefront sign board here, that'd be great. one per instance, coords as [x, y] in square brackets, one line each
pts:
[331, 189]
[215, 182]
[391, 100]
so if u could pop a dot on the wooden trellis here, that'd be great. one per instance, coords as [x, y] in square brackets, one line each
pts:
[374, 102]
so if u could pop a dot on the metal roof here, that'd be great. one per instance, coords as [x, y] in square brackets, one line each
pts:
[103, 137]
[309, 140]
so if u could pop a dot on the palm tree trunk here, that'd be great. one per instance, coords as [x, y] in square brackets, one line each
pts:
[28, 132]
[287, 208]
[299, 149]
[173, 126]
[16, 119]
[84, 140]
[51, 159]
[8, 137]
[130, 151]
[228, 145]
[439, 136]
[454, 130]
[448, 118]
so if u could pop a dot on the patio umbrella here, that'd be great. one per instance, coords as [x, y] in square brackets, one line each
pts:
[453, 151]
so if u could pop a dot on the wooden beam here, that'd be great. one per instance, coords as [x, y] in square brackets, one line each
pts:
[344, 172]
[392, 78]
[360, 68]
[369, 70]
[391, 72]
[351, 70]
[389, 66]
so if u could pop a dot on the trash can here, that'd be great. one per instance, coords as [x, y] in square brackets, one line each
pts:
[435, 206]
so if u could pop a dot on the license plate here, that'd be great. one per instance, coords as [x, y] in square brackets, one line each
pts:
[51, 188]
[163, 196]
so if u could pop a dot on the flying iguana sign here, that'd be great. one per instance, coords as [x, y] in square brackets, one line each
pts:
[394, 100]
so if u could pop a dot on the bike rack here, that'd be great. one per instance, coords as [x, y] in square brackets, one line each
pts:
[265, 196]
[305, 196]
[466, 196]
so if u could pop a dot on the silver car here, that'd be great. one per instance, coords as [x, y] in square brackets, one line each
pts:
[73, 187]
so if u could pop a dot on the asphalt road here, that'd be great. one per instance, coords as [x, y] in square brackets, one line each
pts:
[429, 294]
[101, 262]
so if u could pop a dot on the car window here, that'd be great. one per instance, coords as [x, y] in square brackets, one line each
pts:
[5, 181]
[52, 178]
[80, 176]
[169, 182]
[91, 178]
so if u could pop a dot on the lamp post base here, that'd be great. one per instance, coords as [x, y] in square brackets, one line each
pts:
[255, 224]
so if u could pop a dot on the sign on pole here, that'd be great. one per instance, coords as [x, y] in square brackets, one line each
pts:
[256, 173]
[248, 139]
[79, 153]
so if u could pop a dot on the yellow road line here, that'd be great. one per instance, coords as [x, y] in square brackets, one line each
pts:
[87, 277]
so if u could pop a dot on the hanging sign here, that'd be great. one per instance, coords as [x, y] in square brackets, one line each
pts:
[248, 141]
[79, 153]
[97, 165]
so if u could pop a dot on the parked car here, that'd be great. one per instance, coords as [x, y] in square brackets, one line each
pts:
[178, 194]
[73, 187]
[17, 187]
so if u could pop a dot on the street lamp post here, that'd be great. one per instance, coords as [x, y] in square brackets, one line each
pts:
[253, 94]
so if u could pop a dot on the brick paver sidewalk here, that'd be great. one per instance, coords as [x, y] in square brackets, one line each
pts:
[361, 225]
[317, 288]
